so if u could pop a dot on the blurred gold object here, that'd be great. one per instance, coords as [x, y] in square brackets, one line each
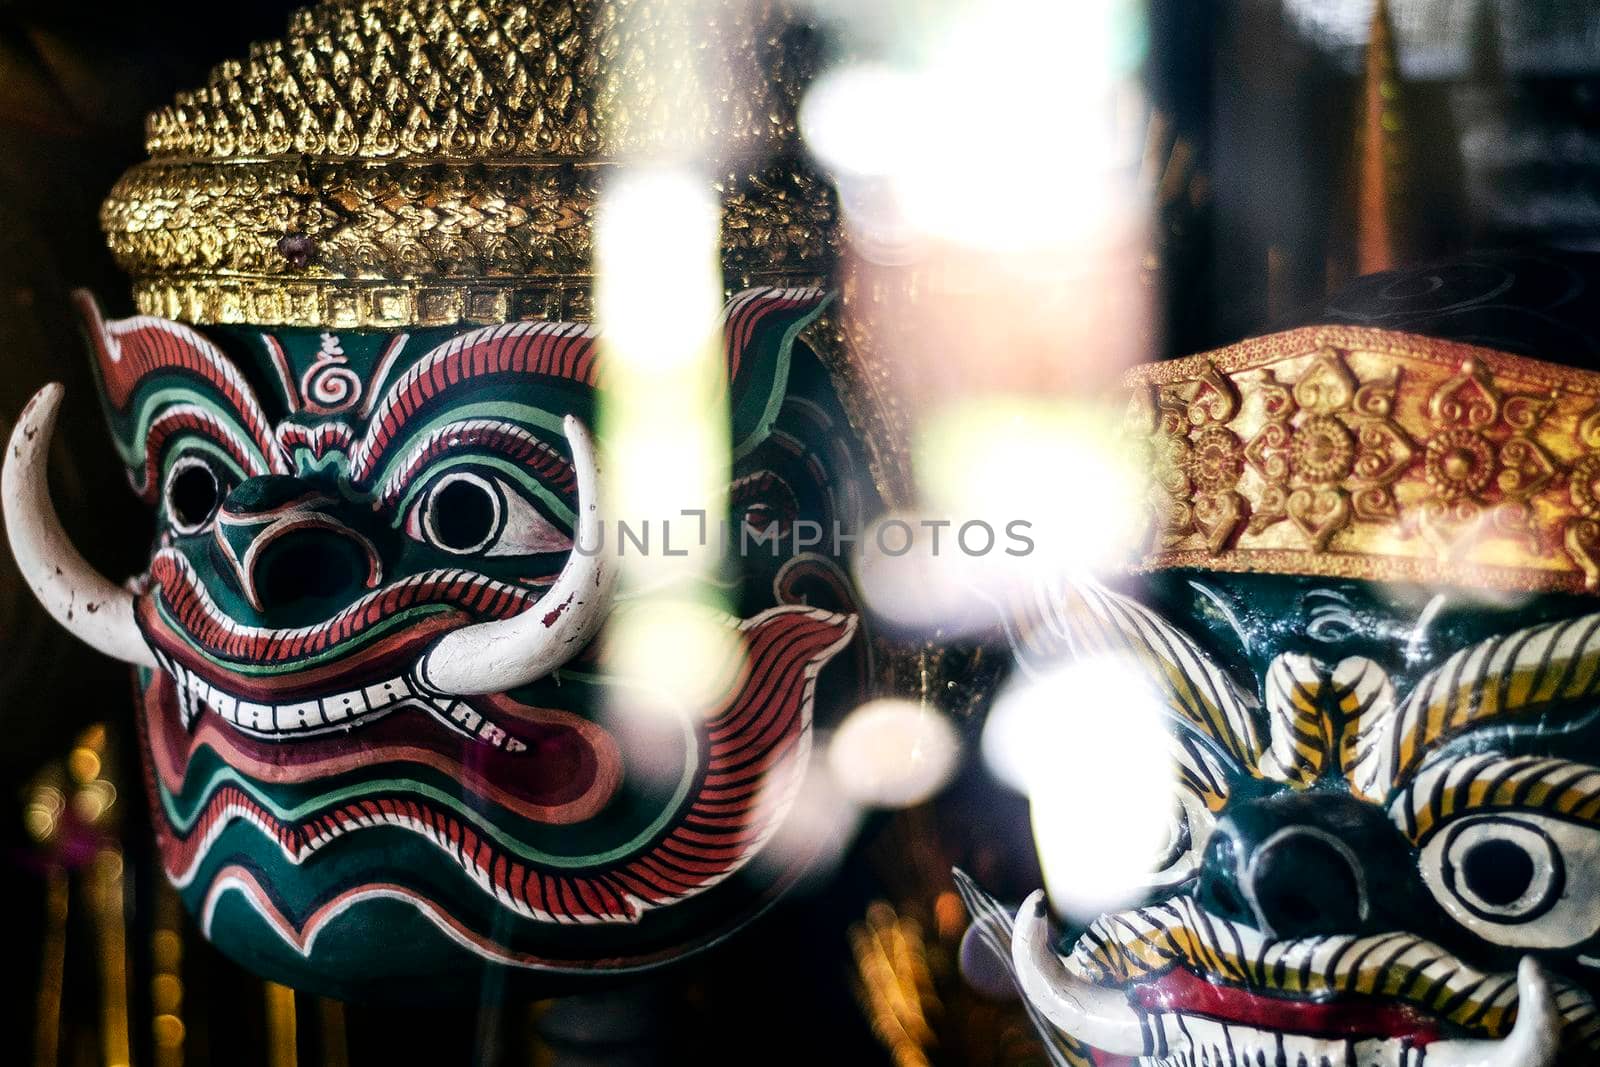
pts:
[166, 985]
[52, 970]
[70, 811]
[895, 987]
[281, 1028]
[1380, 154]
[335, 1043]
[105, 893]
[407, 162]
[1363, 453]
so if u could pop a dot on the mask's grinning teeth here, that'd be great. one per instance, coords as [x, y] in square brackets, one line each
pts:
[464, 719]
[337, 711]
[1195, 1041]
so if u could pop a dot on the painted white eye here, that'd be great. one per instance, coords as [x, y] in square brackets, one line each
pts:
[192, 494]
[1509, 878]
[468, 514]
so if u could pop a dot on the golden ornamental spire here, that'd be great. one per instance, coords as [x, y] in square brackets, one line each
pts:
[425, 162]
[1380, 162]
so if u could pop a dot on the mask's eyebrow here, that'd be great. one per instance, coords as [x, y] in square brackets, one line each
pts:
[1489, 782]
[1513, 675]
[514, 443]
[560, 350]
[129, 352]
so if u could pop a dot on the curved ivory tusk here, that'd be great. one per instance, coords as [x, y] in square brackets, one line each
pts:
[97, 611]
[1533, 1042]
[1094, 1015]
[492, 657]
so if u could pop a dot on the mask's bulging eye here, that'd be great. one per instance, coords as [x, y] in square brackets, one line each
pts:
[462, 513]
[1505, 876]
[466, 514]
[193, 494]
[1503, 869]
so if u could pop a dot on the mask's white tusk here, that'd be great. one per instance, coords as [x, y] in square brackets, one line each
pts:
[493, 657]
[96, 610]
[1533, 1041]
[1093, 1015]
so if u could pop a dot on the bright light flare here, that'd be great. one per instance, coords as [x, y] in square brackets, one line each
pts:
[913, 574]
[1088, 743]
[1062, 466]
[930, 129]
[893, 753]
[657, 235]
[658, 295]
[1019, 491]
[674, 656]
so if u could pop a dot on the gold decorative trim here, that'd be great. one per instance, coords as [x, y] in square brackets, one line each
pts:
[1361, 453]
[345, 245]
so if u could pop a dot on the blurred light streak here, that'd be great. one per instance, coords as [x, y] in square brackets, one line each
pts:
[105, 891]
[1061, 464]
[1086, 741]
[335, 1043]
[988, 154]
[895, 983]
[1332, 23]
[52, 969]
[664, 436]
[893, 753]
[675, 655]
[282, 1049]
[166, 986]
[1016, 489]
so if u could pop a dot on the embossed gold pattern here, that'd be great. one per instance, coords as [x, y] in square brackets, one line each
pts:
[1363, 453]
[427, 162]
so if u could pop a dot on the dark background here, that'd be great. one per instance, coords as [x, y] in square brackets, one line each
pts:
[1499, 146]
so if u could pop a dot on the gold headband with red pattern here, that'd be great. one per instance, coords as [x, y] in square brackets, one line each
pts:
[1363, 453]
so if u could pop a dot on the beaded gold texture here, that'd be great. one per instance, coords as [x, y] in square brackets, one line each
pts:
[1363, 453]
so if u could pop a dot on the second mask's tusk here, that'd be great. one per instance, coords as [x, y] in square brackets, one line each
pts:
[492, 657]
[95, 609]
[1534, 1040]
[1094, 1015]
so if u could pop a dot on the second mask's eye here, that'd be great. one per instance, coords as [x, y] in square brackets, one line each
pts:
[1508, 877]
[467, 514]
[193, 494]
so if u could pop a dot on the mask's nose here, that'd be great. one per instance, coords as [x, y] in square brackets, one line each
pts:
[292, 555]
[1299, 865]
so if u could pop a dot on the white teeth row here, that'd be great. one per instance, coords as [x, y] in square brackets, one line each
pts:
[1194, 1041]
[338, 711]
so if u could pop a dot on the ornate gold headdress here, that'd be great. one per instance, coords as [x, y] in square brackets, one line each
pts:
[1364, 453]
[426, 162]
